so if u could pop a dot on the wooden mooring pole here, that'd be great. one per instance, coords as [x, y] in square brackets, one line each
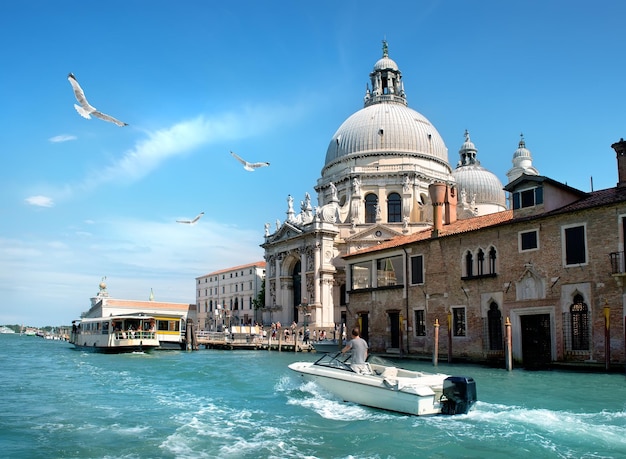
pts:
[449, 337]
[508, 345]
[436, 348]
[607, 337]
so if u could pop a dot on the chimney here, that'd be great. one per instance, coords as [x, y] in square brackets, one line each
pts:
[450, 208]
[620, 149]
[437, 192]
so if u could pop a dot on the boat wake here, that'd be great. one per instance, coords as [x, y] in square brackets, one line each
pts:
[309, 395]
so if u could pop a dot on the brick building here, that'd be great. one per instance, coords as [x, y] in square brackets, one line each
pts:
[553, 265]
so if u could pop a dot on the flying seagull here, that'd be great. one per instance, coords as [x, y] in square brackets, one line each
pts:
[84, 109]
[249, 166]
[191, 222]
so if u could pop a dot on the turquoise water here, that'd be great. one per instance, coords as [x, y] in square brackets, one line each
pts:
[61, 403]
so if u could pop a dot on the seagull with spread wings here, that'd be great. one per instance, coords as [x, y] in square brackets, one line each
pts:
[191, 222]
[84, 109]
[249, 166]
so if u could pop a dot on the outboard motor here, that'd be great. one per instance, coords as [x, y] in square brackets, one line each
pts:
[459, 395]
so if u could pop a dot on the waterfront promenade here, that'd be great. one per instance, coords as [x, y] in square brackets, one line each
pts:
[247, 341]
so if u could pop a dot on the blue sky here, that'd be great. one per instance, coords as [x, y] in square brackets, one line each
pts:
[272, 81]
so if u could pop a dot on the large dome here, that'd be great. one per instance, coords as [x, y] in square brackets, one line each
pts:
[386, 129]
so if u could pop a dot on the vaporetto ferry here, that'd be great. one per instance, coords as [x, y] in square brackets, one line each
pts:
[115, 334]
[168, 321]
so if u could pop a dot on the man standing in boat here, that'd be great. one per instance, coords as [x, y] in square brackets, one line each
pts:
[359, 347]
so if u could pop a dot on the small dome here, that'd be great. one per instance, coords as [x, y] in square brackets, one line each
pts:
[479, 185]
[385, 63]
[522, 162]
[475, 183]
[522, 151]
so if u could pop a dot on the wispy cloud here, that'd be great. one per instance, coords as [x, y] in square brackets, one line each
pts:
[185, 137]
[62, 138]
[40, 201]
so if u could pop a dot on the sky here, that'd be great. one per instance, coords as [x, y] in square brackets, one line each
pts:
[83, 200]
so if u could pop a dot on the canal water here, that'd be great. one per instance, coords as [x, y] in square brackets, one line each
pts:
[61, 403]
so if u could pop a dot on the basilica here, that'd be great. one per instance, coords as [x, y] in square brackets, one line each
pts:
[373, 187]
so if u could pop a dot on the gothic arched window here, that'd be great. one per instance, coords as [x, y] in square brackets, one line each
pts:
[580, 324]
[481, 262]
[494, 324]
[469, 264]
[394, 208]
[371, 204]
[492, 260]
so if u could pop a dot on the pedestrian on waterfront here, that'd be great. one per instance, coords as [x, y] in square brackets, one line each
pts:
[359, 347]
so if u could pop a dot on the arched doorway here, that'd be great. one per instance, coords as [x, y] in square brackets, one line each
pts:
[296, 279]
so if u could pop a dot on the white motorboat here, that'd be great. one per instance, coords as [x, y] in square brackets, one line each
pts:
[379, 384]
[115, 334]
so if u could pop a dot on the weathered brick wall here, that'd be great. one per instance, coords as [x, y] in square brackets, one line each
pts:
[444, 288]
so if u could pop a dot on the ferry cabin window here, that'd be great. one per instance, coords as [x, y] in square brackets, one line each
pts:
[458, 321]
[575, 248]
[420, 322]
[417, 270]
[528, 240]
[168, 325]
[528, 198]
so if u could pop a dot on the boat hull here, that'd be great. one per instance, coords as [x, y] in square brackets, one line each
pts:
[370, 390]
[121, 346]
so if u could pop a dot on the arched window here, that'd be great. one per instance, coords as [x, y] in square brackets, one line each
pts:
[394, 208]
[469, 264]
[580, 324]
[481, 262]
[371, 203]
[494, 323]
[492, 260]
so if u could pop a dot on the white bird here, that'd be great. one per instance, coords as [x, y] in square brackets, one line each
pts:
[84, 109]
[249, 166]
[191, 222]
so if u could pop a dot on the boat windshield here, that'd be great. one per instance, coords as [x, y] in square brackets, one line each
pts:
[335, 360]
[377, 360]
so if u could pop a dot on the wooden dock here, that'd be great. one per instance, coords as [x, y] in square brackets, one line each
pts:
[241, 341]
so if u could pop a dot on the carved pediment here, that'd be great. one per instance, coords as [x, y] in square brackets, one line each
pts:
[286, 231]
[374, 234]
